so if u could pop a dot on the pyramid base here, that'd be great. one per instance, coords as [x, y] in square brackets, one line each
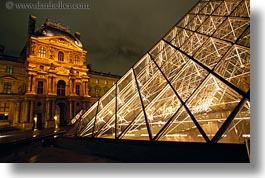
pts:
[158, 152]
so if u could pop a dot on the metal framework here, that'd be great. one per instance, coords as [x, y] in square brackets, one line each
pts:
[192, 86]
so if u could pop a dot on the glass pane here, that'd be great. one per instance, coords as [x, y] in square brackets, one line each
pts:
[194, 43]
[158, 48]
[148, 71]
[186, 20]
[108, 130]
[212, 103]
[125, 80]
[128, 112]
[126, 93]
[188, 79]
[87, 117]
[235, 67]
[245, 39]
[239, 129]
[172, 34]
[107, 98]
[174, 64]
[181, 37]
[231, 29]
[226, 8]
[182, 129]
[196, 22]
[210, 25]
[137, 130]
[211, 52]
[210, 7]
[243, 10]
[152, 87]
[104, 116]
[164, 55]
[161, 109]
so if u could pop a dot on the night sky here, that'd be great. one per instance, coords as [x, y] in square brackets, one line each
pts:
[116, 33]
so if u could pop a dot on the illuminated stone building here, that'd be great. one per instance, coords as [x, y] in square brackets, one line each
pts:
[57, 78]
[192, 86]
[12, 88]
[50, 78]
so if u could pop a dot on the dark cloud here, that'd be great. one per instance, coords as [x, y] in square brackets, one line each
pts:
[116, 33]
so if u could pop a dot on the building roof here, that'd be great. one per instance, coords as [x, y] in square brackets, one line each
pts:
[103, 74]
[55, 29]
[10, 58]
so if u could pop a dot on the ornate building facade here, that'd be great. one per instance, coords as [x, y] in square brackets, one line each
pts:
[12, 87]
[50, 78]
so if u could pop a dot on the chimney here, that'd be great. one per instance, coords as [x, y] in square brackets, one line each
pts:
[31, 25]
[77, 35]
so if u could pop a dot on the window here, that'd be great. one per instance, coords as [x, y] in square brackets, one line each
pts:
[97, 81]
[41, 68]
[4, 109]
[40, 87]
[106, 82]
[42, 52]
[60, 56]
[77, 89]
[9, 70]
[76, 60]
[97, 91]
[7, 87]
[61, 88]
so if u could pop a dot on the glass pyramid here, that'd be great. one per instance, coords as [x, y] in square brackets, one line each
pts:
[192, 86]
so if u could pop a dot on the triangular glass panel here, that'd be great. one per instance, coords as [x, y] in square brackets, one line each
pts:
[186, 20]
[188, 79]
[161, 109]
[239, 129]
[108, 130]
[181, 38]
[211, 25]
[173, 64]
[243, 9]
[196, 22]
[104, 116]
[232, 28]
[86, 118]
[235, 67]
[212, 103]
[181, 129]
[104, 100]
[137, 129]
[128, 112]
[126, 89]
[152, 87]
[194, 43]
[212, 51]
[158, 48]
[172, 34]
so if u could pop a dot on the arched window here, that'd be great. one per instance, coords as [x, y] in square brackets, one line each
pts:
[42, 52]
[61, 88]
[60, 56]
